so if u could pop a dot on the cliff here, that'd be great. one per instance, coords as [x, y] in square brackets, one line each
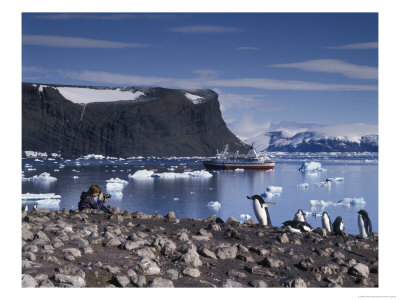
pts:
[156, 122]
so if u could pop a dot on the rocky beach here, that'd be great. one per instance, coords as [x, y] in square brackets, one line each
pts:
[71, 248]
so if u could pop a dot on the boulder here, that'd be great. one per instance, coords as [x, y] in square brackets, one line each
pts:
[159, 282]
[359, 270]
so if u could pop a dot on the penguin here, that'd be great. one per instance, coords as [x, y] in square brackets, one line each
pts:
[34, 207]
[297, 226]
[300, 216]
[260, 208]
[338, 226]
[326, 222]
[26, 208]
[364, 224]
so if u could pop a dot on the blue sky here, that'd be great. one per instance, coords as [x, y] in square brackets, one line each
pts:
[266, 67]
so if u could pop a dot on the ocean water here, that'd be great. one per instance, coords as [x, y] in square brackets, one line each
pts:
[194, 197]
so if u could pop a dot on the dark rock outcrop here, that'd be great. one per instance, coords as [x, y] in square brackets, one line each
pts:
[162, 122]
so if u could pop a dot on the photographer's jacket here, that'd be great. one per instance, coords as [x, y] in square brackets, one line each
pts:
[88, 201]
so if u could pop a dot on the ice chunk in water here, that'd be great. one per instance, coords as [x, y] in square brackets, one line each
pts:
[311, 167]
[352, 201]
[214, 204]
[42, 177]
[274, 189]
[245, 216]
[303, 185]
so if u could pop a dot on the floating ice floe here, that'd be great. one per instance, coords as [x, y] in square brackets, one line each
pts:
[170, 175]
[75, 177]
[343, 202]
[214, 204]
[93, 156]
[115, 184]
[41, 177]
[245, 216]
[270, 195]
[29, 196]
[311, 167]
[335, 179]
[176, 199]
[323, 183]
[314, 214]
[239, 170]
[274, 189]
[303, 185]
[141, 174]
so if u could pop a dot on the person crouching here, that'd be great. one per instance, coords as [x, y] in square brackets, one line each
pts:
[93, 198]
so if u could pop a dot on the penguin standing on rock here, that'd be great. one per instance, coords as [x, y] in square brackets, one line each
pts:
[300, 216]
[326, 222]
[338, 226]
[260, 208]
[364, 224]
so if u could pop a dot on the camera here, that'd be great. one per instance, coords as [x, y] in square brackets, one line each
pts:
[106, 195]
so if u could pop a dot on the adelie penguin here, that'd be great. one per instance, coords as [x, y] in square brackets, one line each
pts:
[338, 226]
[297, 226]
[364, 224]
[260, 208]
[326, 222]
[300, 216]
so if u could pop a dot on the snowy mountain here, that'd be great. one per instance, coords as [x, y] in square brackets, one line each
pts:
[123, 121]
[309, 137]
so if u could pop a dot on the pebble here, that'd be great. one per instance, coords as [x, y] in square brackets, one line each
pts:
[159, 282]
[192, 272]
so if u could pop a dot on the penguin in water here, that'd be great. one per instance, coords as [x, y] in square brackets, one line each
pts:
[297, 226]
[338, 226]
[260, 208]
[300, 216]
[364, 224]
[326, 222]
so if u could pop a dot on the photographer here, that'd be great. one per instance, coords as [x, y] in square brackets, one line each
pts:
[93, 198]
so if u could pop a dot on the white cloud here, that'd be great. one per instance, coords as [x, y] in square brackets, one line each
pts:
[246, 127]
[75, 42]
[333, 66]
[360, 46]
[107, 16]
[204, 29]
[33, 69]
[259, 83]
[204, 73]
[246, 48]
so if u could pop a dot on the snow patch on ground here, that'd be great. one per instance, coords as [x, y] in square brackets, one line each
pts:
[194, 98]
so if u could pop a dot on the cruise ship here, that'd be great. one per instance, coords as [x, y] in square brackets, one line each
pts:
[251, 161]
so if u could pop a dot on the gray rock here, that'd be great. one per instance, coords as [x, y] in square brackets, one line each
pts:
[273, 263]
[171, 217]
[112, 242]
[207, 253]
[192, 272]
[46, 284]
[28, 281]
[258, 283]
[192, 258]
[259, 270]
[87, 250]
[29, 255]
[39, 242]
[338, 254]
[306, 264]
[139, 281]
[132, 245]
[235, 273]
[111, 269]
[146, 252]
[70, 269]
[283, 238]
[246, 258]
[294, 282]
[30, 248]
[159, 282]
[79, 242]
[232, 221]
[147, 266]
[172, 274]
[227, 252]
[71, 251]
[359, 270]
[123, 280]
[75, 281]
[232, 284]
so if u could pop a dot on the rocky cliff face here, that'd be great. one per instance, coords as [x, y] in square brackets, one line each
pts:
[161, 122]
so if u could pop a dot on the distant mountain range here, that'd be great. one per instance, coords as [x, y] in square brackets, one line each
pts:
[123, 122]
[310, 137]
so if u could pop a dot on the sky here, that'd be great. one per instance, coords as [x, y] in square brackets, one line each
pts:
[266, 67]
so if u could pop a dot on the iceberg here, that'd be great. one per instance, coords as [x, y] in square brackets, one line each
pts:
[245, 216]
[352, 201]
[275, 189]
[322, 203]
[115, 184]
[141, 174]
[41, 177]
[202, 173]
[303, 185]
[239, 170]
[311, 167]
[214, 204]
[50, 201]
[117, 180]
[270, 195]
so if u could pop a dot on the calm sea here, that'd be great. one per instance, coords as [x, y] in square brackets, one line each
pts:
[223, 194]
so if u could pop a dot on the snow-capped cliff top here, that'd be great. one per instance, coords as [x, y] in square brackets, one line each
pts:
[87, 95]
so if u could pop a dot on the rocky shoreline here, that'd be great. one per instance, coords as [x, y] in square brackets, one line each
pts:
[71, 248]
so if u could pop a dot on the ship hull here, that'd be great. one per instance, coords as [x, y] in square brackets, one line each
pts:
[232, 166]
